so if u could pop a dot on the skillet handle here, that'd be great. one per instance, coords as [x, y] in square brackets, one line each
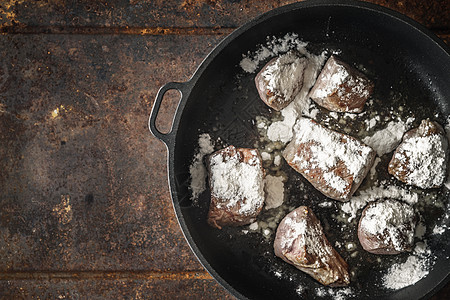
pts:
[165, 137]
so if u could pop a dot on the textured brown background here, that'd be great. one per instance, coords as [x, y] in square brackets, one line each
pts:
[85, 210]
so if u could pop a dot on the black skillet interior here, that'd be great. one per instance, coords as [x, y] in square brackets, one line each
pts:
[223, 102]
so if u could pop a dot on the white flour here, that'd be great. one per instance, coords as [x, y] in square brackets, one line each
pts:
[439, 229]
[274, 188]
[423, 158]
[393, 220]
[327, 149]
[305, 234]
[300, 289]
[335, 293]
[332, 76]
[335, 181]
[386, 140]
[416, 267]
[285, 75]
[254, 226]
[326, 204]
[373, 170]
[296, 230]
[372, 122]
[374, 193]
[266, 156]
[197, 170]
[282, 130]
[237, 182]
[273, 47]
[335, 79]
[277, 160]
[382, 141]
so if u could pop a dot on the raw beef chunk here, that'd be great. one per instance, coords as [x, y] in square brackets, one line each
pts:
[341, 88]
[237, 187]
[387, 227]
[421, 158]
[332, 162]
[300, 241]
[281, 80]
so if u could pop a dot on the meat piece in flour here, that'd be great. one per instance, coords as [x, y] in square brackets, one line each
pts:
[341, 88]
[387, 227]
[421, 158]
[334, 163]
[281, 79]
[300, 241]
[236, 180]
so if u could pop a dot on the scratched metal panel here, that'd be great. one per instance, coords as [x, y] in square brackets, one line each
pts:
[178, 13]
[83, 183]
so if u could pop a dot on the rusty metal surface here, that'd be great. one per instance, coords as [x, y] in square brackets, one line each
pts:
[179, 13]
[85, 210]
[130, 286]
[83, 182]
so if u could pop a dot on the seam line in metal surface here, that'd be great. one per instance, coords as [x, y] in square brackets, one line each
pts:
[104, 275]
[154, 31]
[116, 30]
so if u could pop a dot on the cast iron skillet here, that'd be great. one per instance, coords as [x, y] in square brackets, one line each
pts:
[220, 99]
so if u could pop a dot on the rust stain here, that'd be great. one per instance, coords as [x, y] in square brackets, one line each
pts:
[55, 112]
[445, 38]
[8, 12]
[187, 4]
[63, 210]
[59, 110]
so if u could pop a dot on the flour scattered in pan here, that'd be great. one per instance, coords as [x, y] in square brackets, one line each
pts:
[274, 188]
[335, 293]
[386, 140]
[439, 229]
[282, 130]
[363, 197]
[416, 267]
[273, 47]
[300, 289]
[197, 169]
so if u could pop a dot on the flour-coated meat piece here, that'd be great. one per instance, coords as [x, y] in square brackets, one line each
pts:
[300, 241]
[236, 180]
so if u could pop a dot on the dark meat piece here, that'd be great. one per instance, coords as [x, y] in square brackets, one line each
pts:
[341, 88]
[387, 227]
[281, 80]
[300, 241]
[236, 182]
[421, 158]
[334, 163]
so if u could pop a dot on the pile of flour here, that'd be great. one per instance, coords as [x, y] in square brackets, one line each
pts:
[197, 169]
